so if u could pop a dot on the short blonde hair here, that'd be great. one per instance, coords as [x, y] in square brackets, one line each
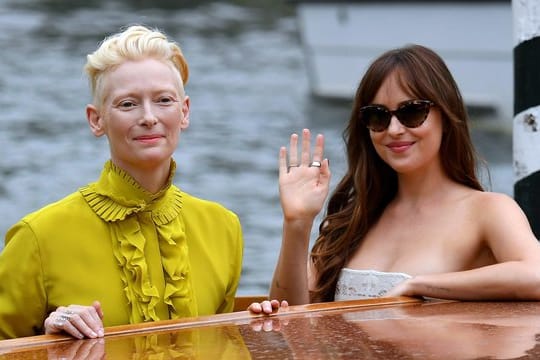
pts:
[137, 42]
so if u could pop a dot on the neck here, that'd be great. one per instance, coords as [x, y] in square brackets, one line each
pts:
[421, 186]
[151, 178]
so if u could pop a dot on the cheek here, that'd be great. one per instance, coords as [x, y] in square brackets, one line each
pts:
[375, 137]
[376, 140]
[431, 143]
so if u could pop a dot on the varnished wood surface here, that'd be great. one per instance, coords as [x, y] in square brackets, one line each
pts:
[391, 328]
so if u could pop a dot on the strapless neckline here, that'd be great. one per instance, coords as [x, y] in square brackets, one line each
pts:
[365, 284]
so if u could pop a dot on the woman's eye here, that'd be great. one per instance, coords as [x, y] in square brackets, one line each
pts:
[126, 105]
[165, 100]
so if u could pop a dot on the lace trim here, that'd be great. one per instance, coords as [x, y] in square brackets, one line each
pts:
[363, 284]
[114, 198]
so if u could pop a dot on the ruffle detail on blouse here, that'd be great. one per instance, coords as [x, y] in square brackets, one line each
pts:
[141, 294]
[115, 197]
[129, 252]
[178, 293]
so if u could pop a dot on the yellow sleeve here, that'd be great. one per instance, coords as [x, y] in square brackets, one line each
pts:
[22, 293]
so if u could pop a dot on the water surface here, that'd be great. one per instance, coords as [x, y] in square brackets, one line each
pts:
[248, 90]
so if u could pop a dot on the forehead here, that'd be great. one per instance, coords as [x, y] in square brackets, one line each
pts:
[393, 90]
[142, 76]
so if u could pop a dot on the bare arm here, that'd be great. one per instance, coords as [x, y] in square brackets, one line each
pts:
[290, 280]
[503, 281]
[515, 276]
[303, 190]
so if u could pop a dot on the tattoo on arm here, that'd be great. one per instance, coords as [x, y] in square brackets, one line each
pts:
[437, 288]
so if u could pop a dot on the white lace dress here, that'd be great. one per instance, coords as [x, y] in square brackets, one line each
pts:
[364, 284]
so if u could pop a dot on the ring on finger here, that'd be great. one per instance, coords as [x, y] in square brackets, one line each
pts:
[59, 324]
[61, 320]
[292, 166]
[315, 164]
[64, 317]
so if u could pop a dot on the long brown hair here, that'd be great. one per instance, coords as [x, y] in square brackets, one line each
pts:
[369, 183]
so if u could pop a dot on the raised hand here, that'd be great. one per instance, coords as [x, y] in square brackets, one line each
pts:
[303, 181]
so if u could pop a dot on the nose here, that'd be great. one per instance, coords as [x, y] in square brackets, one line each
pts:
[395, 127]
[149, 117]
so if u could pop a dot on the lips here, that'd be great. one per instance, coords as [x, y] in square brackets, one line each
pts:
[149, 138]
[400, 146]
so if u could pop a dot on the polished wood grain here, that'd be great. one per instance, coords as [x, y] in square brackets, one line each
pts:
[385, 328]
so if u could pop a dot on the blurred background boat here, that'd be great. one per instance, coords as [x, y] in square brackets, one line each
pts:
[340, 39]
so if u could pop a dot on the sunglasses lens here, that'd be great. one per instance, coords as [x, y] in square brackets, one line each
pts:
[376, 118]
[413, 114]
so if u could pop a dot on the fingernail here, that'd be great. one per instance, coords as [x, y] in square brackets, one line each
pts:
[101, 333]
[93, 334]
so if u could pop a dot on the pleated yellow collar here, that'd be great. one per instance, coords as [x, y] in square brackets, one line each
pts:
[117, 195]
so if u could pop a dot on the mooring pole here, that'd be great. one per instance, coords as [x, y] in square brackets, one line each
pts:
[526, 125]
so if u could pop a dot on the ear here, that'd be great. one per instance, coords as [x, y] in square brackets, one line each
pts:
[94, 120]
[184, 124]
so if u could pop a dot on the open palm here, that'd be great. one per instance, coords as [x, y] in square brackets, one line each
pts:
[303, 188]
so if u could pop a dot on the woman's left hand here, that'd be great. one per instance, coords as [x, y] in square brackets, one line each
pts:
[267, 306]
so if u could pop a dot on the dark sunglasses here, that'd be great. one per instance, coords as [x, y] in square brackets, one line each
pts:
[411, 113]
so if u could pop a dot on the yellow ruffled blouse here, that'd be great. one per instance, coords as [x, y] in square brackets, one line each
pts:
[144, 256]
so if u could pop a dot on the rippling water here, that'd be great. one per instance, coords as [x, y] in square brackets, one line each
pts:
[248, 90]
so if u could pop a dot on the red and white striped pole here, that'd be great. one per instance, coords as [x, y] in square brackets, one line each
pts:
[526, 125]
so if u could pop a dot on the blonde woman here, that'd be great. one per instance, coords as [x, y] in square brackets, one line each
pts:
[130, 247]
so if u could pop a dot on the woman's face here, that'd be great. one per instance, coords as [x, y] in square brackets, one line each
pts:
[406, 150]
[142, 114]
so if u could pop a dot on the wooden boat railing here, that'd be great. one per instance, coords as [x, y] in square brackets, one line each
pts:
[240, 315]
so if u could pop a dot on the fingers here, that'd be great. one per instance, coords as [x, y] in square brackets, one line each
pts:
[325, 175]
[318, 150]
[293, 151]
[267, 306]
[97, 306]
[255, 308]
[306, 147]
[77, 320]
[283, 169]
[306, 158]
[77, 330]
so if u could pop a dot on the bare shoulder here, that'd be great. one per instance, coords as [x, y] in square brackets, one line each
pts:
[499, 215]
[486, 202]
[496, 211]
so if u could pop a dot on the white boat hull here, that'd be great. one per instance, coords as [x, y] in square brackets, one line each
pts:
[340, 39]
